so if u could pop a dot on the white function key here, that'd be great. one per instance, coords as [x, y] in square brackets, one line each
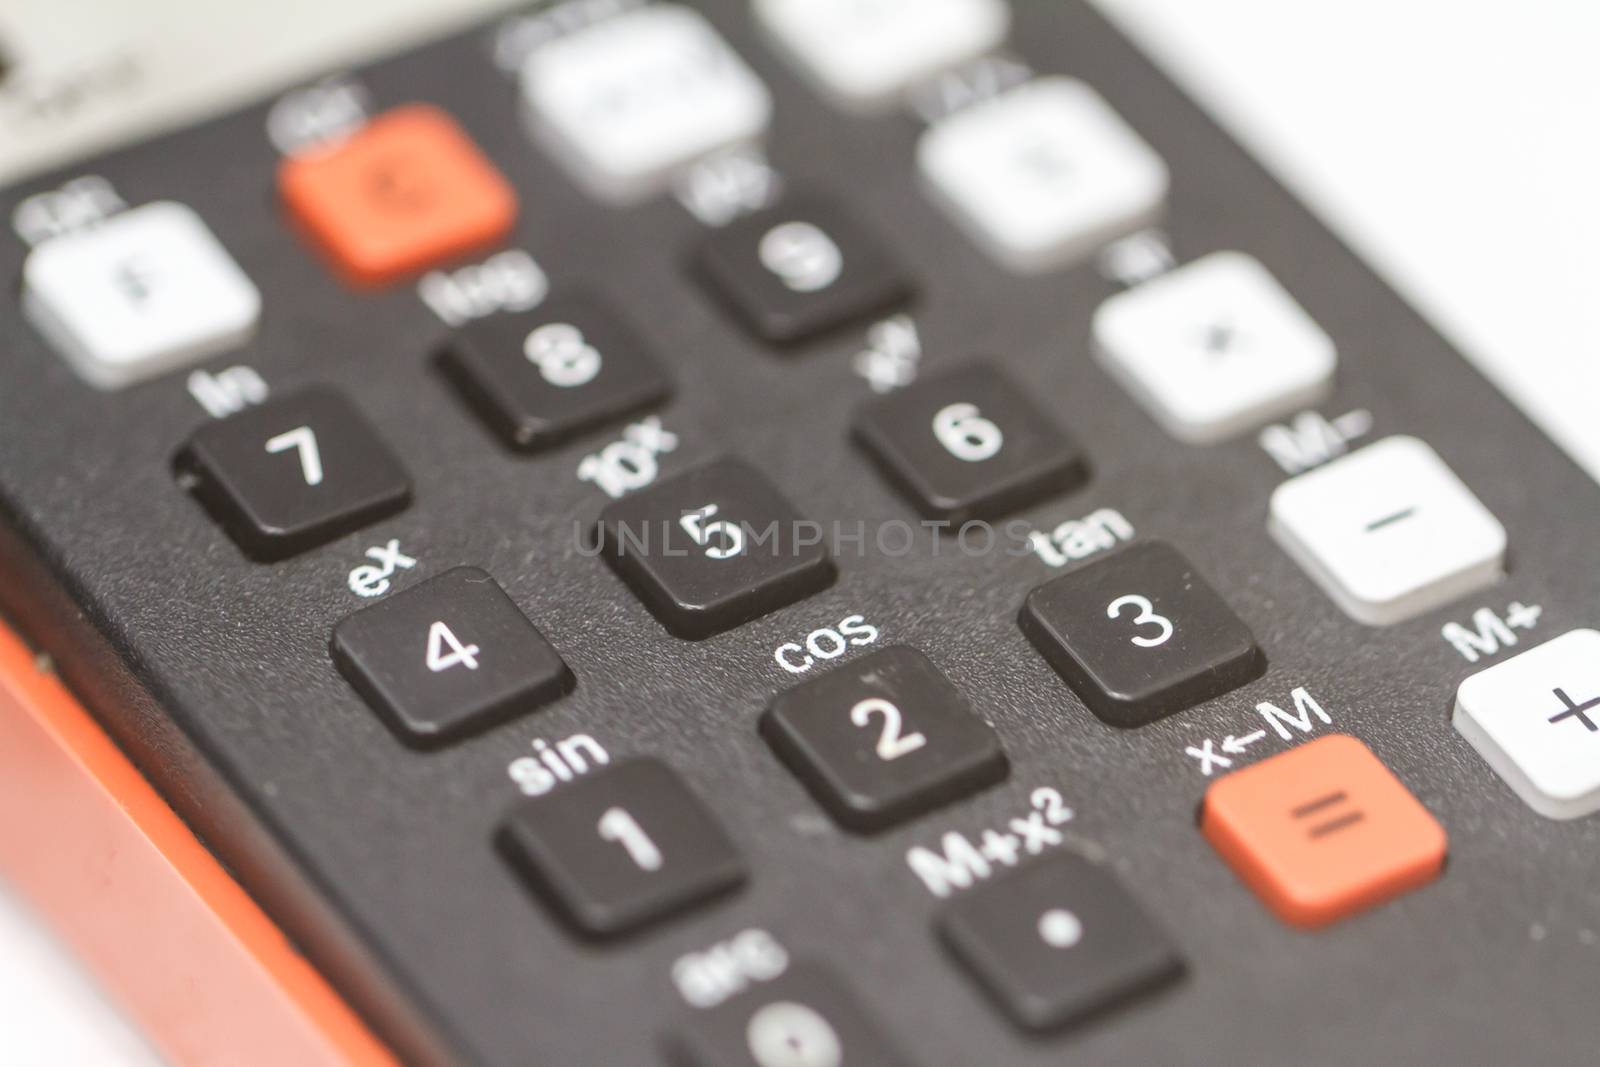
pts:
[1214, 348]
[138, 295]
[628, 102]
[1536, 720]
[1388, 531]
[864, 54]
[1043, 174]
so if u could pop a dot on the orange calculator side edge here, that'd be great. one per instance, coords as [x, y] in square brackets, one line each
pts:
[185, 951]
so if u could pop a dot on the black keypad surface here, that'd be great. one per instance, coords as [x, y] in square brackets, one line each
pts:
[540, 377]
[447, 657]
[713, 547]
[199, 636]
[800, 269]
[1056, 940]
[621, 847]
[293, 473]
[883, 739]
[807, 1017]
[969, 444]
[1139, 635]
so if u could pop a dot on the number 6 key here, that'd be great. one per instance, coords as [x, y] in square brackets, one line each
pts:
[1140, 635]
[969, 444]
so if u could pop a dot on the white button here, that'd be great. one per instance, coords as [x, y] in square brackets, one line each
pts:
[1388, 531]
[1536, 720]
[863, 54]
[786, 1034]
[627, 102]
[1214, 348]
[1043, 174]
[139, 294]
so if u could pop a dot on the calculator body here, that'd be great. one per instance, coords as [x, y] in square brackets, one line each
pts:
[380, 859]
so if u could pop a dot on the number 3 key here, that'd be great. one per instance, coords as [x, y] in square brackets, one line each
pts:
[1139, 635]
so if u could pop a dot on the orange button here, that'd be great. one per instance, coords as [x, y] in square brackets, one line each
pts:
[1322, 831]
[404, 192]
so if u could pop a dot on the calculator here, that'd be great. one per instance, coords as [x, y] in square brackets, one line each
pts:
[789, 533]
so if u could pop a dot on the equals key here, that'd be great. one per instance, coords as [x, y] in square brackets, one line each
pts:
[1322, 831]
[1332, 811]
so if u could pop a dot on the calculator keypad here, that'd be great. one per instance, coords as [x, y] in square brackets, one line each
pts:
[1140, 635]
[144, 292]
[800, 269]
[1040, 172]
[713, 547]
[540, 377]
[448, 657]
[883, 739]
[1056, 940]
[1043, 174]
[621, 847]
[806, 1017]
[628, 102]
[969, 444]
[405, 192]
[293, 473]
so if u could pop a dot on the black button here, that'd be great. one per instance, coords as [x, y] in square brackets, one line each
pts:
[1139, 635]
[713, 547]
[799, 269]
[541, 377]
[621, 847]
[293, 473]
[803, 1018]
[1056, 940]
[883, 739]
[448, 657]
[969, 444]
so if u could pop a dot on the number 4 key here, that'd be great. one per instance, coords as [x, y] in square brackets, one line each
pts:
[448, 657]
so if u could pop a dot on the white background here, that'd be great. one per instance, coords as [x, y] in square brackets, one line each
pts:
[1456, 143]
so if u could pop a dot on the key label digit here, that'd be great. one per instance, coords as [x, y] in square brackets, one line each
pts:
[892, 744]
[1146, 617]
[704, 533]
[563, 355]
[802, 256]
[966, 434]
[620, 828]
[304, 440]
[440, 638]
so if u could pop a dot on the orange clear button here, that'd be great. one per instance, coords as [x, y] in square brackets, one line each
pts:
[408, 190]
[1322, 831]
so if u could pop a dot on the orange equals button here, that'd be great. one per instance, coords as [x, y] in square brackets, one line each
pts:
[1322, 831]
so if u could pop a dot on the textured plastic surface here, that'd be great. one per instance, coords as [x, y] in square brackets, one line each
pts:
[213, 672]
